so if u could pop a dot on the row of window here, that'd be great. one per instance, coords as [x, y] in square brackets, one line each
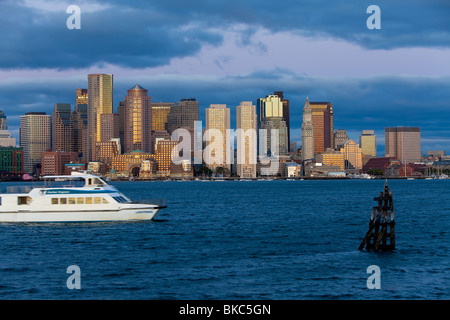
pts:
[79, 200]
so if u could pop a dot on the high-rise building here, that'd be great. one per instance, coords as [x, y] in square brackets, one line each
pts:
[368, 143]
[81, 97]
[246, 139]
[11, 162]
[109, 126]
[270, 117]
[322, 118]
[53, 162]
[340, 137]
[160, 115]
[218, 152]
[80, 131]
[3, 124]
[286, 116]
[352, 156]
[100, 100]
[35, 138]
[307, 133]
[403, 143]
[183, 115]
[62, 128]
[137, 120]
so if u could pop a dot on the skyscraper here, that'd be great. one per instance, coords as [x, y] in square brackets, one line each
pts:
[322, 118]
[100, 100]
[403, 143]
[81, 97]
[307, 133]
[35, 138]
[218, 151]
[80, 130]
[270, 117]
[160, 115]
[368, 143]
[340, 137]
[5, 136]
[3, 124]
[62, 128]
[286, 116]
[246, 143]
[352, 156]
[183, 115]
[137, 121]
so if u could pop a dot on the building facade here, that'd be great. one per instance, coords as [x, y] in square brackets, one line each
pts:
[307, 133]
[35, 138]
[368, 143]
[246, 139]
[403, 143]
[352, 156]
[100, 101]
[62, 128]
[218, 151]
[11, 162]
[323, 122]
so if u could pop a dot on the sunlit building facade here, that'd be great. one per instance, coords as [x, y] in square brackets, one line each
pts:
[246, 139]
[218, 151]
[322, 118]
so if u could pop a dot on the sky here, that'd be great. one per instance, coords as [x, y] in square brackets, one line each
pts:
[225, 52]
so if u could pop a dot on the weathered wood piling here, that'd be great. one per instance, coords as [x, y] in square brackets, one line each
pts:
[381, 234]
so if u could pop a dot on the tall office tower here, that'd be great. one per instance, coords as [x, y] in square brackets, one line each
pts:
[160, 115]
[322, 118]
[403, 143]
[81, 97]
[100, 100]
[286, 116]
[121, 113]
[246, 139]
[80, 131]
[307, 133]
[340, 137]
[3, 124]
[109, 126]
[218, 152]
[183, 115]
[270, 116]
[368, 143]
[137, 121]
[62, 128]
[352, 155]
[35, 138]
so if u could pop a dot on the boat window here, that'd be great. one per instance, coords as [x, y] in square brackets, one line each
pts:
[54, 200]
[80, 200]
[97, 200]
[88, 200]
[22, 200]
[63, 201]
[105, 201]
[71, 200]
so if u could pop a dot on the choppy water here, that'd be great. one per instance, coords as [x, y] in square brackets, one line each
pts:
[240, 240]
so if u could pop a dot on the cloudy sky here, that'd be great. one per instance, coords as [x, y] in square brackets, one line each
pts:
[238, 50]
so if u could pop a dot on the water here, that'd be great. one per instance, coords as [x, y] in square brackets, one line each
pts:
[240, 240]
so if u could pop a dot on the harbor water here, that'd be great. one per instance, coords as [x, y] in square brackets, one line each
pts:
[280, 240]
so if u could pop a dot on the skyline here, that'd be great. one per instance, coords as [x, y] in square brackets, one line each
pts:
[225, 53]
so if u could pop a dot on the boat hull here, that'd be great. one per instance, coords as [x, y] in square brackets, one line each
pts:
[80, 216]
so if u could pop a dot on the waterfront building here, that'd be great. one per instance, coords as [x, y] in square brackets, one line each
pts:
[137, 121]
[352, 155]
[218, 151]
[246, 140]
[53, 162]
[403, 143]
[331, 157]
[100, 101]
[368, 143]
[323, 122]
[307, 151]
[62, 128]
[11, 162]
[35, 138]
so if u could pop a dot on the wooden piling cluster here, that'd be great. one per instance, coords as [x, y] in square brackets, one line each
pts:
[381, 234]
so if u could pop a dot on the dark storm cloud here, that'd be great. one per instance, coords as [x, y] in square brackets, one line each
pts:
[151, 33]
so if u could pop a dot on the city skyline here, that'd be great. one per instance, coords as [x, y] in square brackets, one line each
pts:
[223, 54]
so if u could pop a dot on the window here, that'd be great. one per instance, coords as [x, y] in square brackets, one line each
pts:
[97, 200]
[89, 200]
[105, 201]
[80, 200]
[63, 201]
[54, 200]
[71, 200]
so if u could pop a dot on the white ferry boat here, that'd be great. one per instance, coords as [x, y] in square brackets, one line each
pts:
[75, 198]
